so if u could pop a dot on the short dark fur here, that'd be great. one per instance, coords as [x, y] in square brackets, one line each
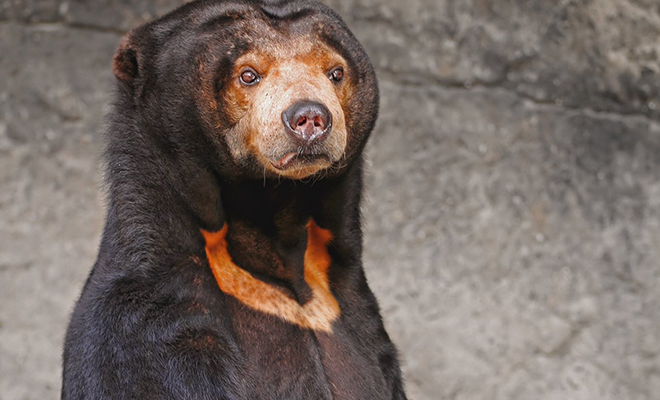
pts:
[151, 322]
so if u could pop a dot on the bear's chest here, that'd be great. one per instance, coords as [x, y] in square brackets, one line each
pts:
[284, 361]
[315, 350]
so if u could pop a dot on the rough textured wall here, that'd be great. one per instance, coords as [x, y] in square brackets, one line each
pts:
[513, 213]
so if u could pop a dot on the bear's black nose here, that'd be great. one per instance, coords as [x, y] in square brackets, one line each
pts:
[308, 122]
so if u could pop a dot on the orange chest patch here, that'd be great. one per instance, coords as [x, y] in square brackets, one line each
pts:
[317, 314]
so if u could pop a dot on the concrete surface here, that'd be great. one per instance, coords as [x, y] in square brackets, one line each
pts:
[513, 213]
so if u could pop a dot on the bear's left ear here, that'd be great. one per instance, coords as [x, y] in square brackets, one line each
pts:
[125, 64]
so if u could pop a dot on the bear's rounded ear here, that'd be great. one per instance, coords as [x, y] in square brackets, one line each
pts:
[125, 62]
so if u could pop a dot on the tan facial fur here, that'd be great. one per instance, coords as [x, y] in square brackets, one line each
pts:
[291, 70]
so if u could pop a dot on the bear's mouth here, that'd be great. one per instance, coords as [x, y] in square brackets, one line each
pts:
[292, 158]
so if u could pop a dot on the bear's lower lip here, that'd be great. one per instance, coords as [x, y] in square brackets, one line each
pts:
[292, 157]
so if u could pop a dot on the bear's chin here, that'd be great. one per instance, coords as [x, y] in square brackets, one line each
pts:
[299, 166]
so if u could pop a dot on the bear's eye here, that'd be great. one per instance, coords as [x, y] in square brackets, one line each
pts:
[336, 74]
[249, 77]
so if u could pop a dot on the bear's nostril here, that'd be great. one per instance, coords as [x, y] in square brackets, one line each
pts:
[308, 122]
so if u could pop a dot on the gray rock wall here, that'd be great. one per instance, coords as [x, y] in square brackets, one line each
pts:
[513, 210]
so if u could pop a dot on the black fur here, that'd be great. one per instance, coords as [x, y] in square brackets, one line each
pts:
[151, 322]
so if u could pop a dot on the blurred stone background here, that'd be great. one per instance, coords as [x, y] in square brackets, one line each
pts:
[513, 210]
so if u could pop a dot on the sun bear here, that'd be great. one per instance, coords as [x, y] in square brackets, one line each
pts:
[230, 262]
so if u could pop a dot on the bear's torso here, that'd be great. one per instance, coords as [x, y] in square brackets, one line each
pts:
[284, 361]
[191, 340]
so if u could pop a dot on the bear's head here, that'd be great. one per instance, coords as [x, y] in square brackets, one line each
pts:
[262, 89]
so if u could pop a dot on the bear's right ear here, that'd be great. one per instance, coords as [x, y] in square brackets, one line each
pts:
[125, 62]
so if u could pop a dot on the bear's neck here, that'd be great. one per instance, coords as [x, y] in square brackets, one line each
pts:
[267, 227]
[157, 210]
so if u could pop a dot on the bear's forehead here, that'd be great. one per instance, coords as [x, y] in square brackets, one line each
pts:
[262, 32]
[254, 24]
[266, 43]
[288, 48]
[240, 27]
